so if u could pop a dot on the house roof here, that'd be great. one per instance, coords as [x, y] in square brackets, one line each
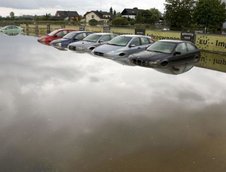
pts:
[129, 11]
[65, 14]
[100, 14]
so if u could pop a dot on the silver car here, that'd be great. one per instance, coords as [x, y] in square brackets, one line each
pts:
[120, 47]
[91, 42]
[11, 30]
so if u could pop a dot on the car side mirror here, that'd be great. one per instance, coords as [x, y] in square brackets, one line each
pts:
[177, 53]
[132, 45]
[101, 41]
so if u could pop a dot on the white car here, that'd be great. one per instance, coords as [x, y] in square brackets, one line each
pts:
[91, 42]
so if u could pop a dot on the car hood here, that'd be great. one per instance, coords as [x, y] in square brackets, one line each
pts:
[106, 48]
[149, 56]
[82, 43]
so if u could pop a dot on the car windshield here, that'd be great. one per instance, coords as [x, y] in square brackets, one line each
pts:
[120, 40]
[53, 32]
[162, 47]
[70, 35]
[92, 38]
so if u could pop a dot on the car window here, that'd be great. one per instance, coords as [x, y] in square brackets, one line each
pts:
[144, 41]
[182, 48]
[191, 47]
[135, 41]
[113, 35]
[61, 33]
[162, 47]
[105, 38]
[120, 41]
[80, 36]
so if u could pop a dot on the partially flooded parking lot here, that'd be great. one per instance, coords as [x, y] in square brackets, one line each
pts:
[62, 111]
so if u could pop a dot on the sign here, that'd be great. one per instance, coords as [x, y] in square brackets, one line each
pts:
[188, 36]
[139, 31]
[158, 35]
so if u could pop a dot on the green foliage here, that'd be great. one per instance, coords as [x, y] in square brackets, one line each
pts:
[210, 14]
[120, 21]
[111, 11]
[12, 15]
[93, 22]
[148, 16]
[114, 13]
[178, 14]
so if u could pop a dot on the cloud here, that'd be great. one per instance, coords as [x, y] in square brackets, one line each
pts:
[79, 5]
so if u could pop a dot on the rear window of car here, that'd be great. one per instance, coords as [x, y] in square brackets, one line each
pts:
[144, 41]
[191, 47]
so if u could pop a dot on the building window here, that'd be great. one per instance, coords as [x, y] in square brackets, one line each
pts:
[92, 16]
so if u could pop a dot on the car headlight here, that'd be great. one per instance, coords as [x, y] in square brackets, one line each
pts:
[59, 44]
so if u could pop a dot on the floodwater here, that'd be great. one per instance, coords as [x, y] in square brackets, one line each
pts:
[62, 111]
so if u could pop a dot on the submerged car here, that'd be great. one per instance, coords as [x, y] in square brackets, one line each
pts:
[91, 42]
[69, 38]
[56, 34]
[120, 47]
[167, 52]
[11, 30]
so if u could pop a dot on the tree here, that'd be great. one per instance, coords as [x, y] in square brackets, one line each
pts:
[114, 13]
[178, 14]
[120, 21]
[142, 16]
[210, 14]
[155, 15]
[148, 16]
[111, 11]
[93, 22]
[12, 15]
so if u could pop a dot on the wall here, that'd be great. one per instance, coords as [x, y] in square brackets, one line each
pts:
[214, 43]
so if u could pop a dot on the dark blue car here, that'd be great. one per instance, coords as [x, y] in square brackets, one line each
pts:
[74, 36]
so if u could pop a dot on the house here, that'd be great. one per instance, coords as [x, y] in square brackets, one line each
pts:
[130, 13]
[67, 15]
[100, 16]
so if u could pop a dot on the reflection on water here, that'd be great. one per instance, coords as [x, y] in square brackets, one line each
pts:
[213, 61]
[63, 111]
[176, 69]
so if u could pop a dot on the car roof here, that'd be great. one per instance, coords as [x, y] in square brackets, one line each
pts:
[78, 31]
[135, 36]
[65, 29]
[103, 33]
[173, 40]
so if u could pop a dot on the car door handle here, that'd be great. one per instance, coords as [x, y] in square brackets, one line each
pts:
[138, 47]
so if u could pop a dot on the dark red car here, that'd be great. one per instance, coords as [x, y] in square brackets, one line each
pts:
[56, 34]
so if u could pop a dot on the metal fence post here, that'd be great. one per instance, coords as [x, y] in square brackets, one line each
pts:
[27, 29]
[48, 28]
[36, 29]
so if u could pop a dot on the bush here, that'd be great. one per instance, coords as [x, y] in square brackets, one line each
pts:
[120, 21]
[93, 22]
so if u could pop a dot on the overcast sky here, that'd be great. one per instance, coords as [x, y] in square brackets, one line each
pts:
[39, 7]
